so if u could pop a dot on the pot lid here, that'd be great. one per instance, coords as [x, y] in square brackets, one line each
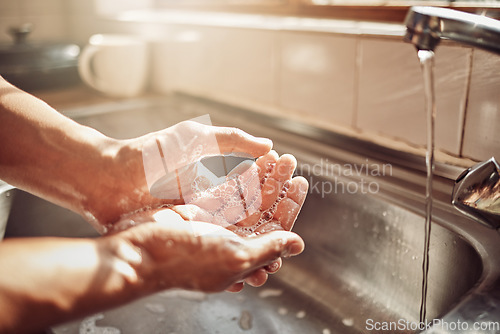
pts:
[23, 56]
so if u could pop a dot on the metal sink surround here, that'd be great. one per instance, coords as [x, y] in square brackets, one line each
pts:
[363, 257]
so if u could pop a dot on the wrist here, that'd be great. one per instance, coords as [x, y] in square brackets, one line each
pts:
[123, 261]
[121, 187]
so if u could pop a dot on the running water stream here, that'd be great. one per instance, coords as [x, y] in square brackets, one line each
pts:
[427, 62]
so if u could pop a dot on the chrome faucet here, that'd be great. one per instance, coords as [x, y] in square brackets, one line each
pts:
[426, 26]
[477, 193]
[477, 190]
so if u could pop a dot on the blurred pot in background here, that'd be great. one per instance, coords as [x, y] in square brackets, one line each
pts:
[37, 65]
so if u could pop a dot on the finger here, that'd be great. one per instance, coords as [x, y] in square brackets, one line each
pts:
[289, 207]
[269, 226]
[236, 287]
[192, 212]
[238, 141]
[257, 278]
[281, 173]
[274, 266]
[266, 163]
[266, 248]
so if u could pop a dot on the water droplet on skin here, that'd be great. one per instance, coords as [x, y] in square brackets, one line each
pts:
[267, 215]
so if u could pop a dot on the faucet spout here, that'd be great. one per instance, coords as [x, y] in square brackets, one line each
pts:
[477, 193]
[426, 26]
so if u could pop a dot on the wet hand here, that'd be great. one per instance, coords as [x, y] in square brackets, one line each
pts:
[129, 175]
[262, 197]
[173, 253]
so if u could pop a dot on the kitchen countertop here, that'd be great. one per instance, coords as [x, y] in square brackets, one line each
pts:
[78, 97]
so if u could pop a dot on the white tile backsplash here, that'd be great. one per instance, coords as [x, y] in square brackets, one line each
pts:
[482, 124]
[47, 28]
[391, 97]
[245, 60]
[363, 83]
[316, 76]
[47, 16]
[232, 64]
[9, 8]
[5, 24]
[42, 7]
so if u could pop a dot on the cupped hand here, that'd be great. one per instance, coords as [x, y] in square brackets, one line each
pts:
[130, 174]
[175, 253]
[255, 199]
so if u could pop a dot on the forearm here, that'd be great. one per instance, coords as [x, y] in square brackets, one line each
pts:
[52, 280]
[48, 154]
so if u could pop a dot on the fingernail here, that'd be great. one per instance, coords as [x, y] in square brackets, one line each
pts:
[287, 251]
[265, 141]
[294, 248]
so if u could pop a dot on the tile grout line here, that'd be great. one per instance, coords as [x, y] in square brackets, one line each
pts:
[356, 83]
[466, 102]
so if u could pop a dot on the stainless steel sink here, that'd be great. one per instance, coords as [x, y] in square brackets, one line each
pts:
[363, 257]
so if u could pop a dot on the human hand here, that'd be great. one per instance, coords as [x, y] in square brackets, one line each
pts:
[173, 253]
[126, 185]
[259, 197]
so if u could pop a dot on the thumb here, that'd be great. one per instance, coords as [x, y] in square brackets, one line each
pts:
[238, 141]
[267, 247]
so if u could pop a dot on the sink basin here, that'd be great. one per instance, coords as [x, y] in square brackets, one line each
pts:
[363, 259]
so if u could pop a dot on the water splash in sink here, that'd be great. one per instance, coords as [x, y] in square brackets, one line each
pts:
[155, 308]
[88, 326]
[245, 321]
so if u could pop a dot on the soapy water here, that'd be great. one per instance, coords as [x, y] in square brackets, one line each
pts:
[265, 223]
[234, 200]
[175, 169]
[231, 198]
